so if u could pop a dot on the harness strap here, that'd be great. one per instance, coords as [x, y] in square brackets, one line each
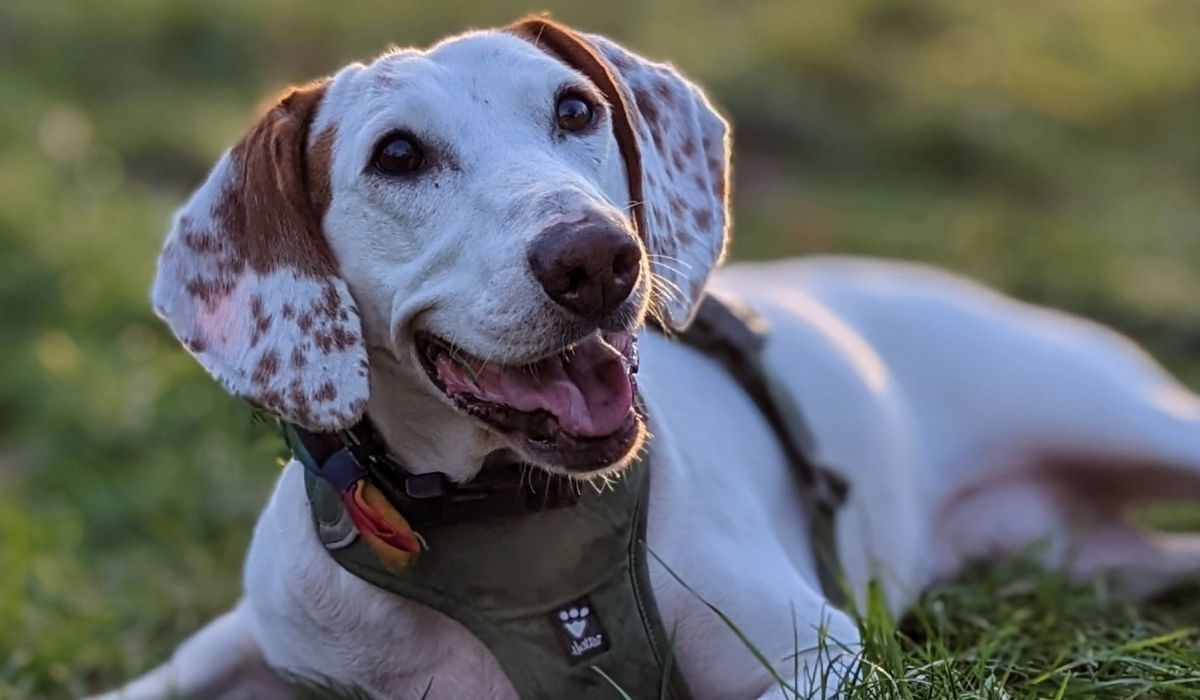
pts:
[734, 335]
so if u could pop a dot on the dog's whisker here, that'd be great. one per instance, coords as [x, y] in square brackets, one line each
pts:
[667, 284]
[657, 312]
[664, 281]
[667, 291]
[664, 259]
[670, 268]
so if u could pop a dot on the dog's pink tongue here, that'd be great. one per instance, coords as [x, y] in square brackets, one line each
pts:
[588, 390]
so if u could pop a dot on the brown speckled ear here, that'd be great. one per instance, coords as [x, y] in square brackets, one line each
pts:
[248, 284]
[676, 149]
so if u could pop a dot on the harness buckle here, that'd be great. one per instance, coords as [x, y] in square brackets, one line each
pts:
[422, 486]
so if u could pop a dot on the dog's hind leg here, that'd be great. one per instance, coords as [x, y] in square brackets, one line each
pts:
[1101, 430]
[220, 662]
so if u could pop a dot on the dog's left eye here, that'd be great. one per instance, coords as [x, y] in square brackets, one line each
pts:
[574, 112]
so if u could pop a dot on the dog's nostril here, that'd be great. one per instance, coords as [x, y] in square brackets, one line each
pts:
[576, 277]
[625, 262]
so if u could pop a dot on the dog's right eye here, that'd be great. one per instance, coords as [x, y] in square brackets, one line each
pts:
[398, 154]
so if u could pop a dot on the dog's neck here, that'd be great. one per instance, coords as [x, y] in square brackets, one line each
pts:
[420, 430]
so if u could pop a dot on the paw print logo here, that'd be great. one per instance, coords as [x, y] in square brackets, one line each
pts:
[579, 630]
[575, 620]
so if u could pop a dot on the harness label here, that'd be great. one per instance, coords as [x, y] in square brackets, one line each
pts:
[578, 629]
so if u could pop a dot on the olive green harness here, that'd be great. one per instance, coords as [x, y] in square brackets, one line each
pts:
[551, 575]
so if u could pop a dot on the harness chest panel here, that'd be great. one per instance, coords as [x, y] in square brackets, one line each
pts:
[561, 597]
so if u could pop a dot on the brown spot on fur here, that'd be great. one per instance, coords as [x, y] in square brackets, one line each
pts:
[703, 218]
[657, 136]
[197, 240]
[288, 311]
[301, 407]
[196, 345]
[330, 303]
[325, 392]
[678, 160]
[299, 359]
[230, 268]
[262, 320]
[664, 90]
[646, 105]
[208, 290]
[266, 368]
[305, 322]
[660, 220]
[343, 338]
[256, 306]
[717, 175]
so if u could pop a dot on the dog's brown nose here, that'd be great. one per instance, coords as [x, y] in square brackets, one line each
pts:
[589, 267]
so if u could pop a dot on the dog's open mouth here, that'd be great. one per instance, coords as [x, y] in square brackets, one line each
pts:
[573, 410]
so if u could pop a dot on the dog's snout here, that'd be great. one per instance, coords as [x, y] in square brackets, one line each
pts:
[588, 267]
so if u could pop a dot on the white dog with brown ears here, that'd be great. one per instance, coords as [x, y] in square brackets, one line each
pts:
[519, 193]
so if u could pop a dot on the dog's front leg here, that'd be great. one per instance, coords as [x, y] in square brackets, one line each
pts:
[222, 661]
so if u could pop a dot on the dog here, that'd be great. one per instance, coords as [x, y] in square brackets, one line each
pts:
[532, 196]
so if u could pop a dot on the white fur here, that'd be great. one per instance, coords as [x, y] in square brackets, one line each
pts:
[950, 410]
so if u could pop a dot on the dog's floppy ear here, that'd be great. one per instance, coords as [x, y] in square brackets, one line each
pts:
[248, 284]
[676, 154]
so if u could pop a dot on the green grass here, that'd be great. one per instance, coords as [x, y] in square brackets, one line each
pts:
[1016, 631]
[1047, 148]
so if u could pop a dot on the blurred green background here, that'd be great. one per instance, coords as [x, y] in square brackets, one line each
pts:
[1049, 148]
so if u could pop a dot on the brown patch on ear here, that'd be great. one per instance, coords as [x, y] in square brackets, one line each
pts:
[567, 46]
[248, 282]
[320, 163]
[279, 203]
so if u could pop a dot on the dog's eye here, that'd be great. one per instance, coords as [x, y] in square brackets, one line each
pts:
[574, 112]
[398, 154]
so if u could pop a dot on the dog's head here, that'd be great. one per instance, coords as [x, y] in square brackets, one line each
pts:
[495, 216]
